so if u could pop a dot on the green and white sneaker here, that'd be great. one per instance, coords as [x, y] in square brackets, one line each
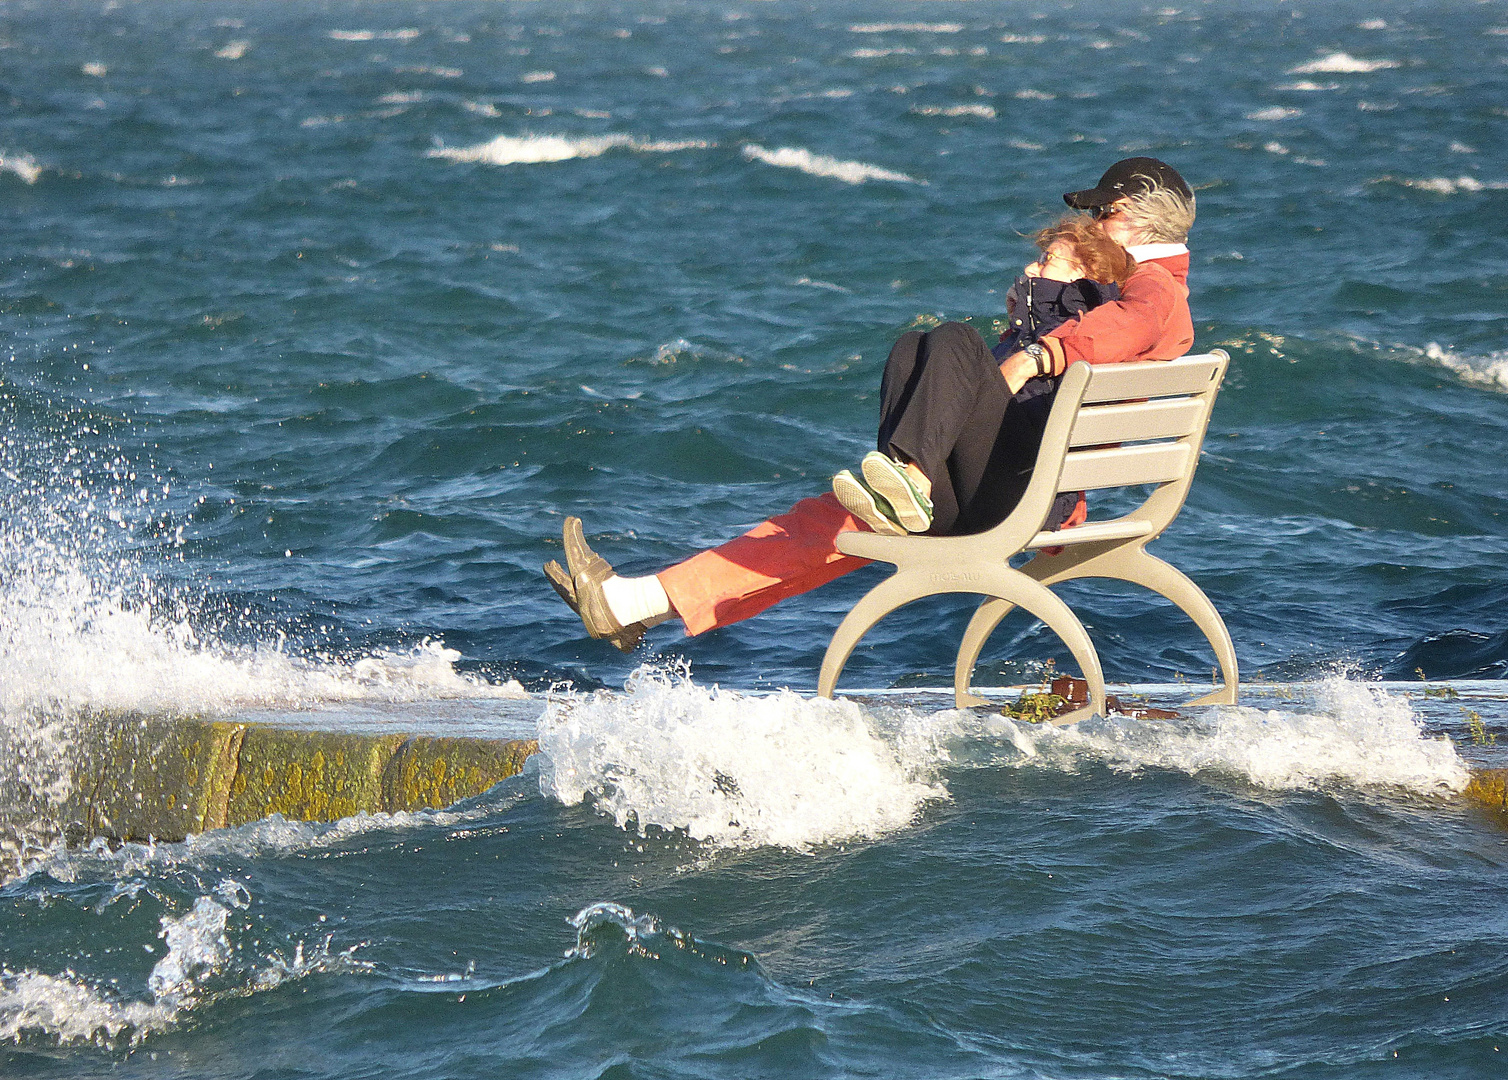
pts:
[888, 480]
[864, 504]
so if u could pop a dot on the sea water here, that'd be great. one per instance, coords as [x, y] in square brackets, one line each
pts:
[320, 317]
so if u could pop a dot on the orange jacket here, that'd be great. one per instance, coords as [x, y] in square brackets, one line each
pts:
[1150, 321]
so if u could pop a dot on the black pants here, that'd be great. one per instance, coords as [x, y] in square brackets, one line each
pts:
[945, 407]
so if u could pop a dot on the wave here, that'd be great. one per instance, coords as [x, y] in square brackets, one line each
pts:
[875, 54]
[404, 34]
[1489, 370]
[1275, 112]
[733, 770]
[22, 165]
[905, 28]
[986, 112]
[1350, 733]
[1446, 185]
[67, 1009]
[1340, 63]
[850, 172]
[739, 771]
[539, 149]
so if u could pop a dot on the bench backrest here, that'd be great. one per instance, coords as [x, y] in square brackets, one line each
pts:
[1122, 425]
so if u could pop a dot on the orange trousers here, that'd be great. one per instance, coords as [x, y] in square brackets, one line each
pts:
[784, 556]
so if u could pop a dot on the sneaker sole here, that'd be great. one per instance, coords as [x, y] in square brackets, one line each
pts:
[891, 484]
[860, 502]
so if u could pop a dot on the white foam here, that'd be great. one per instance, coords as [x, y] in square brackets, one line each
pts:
[69, 644]
[1029, 94]
[1372, 24]
[905, 28]
[850, 172]
[1341, 63]
[23, 165]
[736, 771]
[407, 33]
[70, 1011]
[96, 69]
[1447, 185]
[1275, 112]
[1489, 370]
[537, 76]
[537, 149]
[875, 54]
[1024, 39]
[233, 50]
[1350, 733]
[1307, 86]
[402, 97]
[986, 112]
[66, 1009]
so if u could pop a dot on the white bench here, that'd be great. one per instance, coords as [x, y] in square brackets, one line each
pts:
[1112, 425]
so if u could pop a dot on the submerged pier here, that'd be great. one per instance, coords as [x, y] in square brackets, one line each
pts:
[137, 777]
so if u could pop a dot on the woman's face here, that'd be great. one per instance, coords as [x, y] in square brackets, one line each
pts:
[1057, 263]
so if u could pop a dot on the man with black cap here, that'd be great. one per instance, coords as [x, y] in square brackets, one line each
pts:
[1141, 203]
[1146, 207]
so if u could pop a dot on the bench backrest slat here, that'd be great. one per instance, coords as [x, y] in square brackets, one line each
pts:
[1167, 418]
[1157, 378]
[1122, 466]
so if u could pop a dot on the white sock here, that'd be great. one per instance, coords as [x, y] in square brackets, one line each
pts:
[636, 599]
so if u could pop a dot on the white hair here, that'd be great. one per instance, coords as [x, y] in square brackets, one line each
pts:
[1161, 215]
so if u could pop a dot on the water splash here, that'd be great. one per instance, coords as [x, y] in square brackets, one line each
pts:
[735, 770]
[1350, 734]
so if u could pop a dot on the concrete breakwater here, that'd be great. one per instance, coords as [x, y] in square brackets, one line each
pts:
[135, 778]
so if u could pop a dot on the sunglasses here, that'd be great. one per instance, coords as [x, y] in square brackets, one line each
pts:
[1100, 213]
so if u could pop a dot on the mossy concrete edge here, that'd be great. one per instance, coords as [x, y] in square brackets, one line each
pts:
[138, 777]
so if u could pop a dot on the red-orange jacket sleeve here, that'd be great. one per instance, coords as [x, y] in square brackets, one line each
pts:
[1150, 321]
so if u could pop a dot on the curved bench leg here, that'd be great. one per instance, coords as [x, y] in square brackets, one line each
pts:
[1142, 568]
[1014, 588]
[1047, 569]
[895, 591]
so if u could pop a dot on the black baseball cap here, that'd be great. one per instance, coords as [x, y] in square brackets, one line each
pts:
[1130, 176]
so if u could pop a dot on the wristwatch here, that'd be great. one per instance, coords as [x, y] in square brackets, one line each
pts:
[1041, 356]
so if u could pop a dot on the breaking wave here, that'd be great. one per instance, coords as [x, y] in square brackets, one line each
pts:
[735, 770]
[850, 172]
[1340, 63]
[539, 149]
[1490, 370]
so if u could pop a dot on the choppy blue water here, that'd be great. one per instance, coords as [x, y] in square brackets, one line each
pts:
[319, 317]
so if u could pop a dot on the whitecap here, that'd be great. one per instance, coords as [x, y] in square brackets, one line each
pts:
[1024, 39]
[1275, 112]
[1307, 86]
[537, 76]
[1340, 63]
[538, 149]
[1372, 24]
[1029, 94]
[737, 771]
[481, 108]
[23, 165]
[850, 172]
[905, 28]
[96, 69]
[401, 97]
[875, 54]
[1487, 370]
[986, 112]
[233, 50]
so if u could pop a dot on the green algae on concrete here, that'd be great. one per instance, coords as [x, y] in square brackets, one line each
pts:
[139, 778]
